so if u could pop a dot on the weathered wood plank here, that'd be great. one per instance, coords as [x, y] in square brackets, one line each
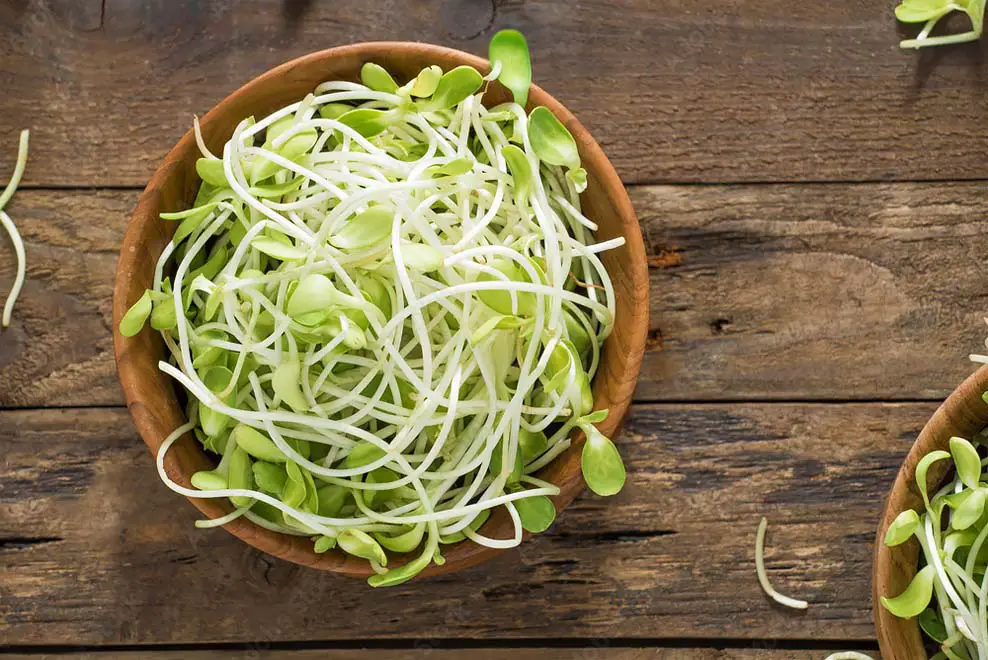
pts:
[93, 550]
[729, 91]
[759, 292]
[814, 291]
[600, 652]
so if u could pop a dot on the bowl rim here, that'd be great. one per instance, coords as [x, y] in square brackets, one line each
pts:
[962, 413]
[633, 346]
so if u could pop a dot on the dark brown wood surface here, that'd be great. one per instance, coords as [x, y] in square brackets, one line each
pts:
[738, 90]
[813, 203]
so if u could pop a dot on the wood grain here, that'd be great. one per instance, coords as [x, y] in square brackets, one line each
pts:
[424, 652]
[738, 90]
[759, 292]
[88, 536]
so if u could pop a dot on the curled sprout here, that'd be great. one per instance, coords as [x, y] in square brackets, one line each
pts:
[373, 305]
[948, 593]
[763, 575]
[929, 12]
[8, 225]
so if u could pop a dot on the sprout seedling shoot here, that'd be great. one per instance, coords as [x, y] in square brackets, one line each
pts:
[8, 225]
[387, 308]
[929, 13]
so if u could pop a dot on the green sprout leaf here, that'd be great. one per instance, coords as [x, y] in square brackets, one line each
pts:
[331, 499]
[208, 480]
[969, 511]
[135, 318]
[500, 322]
[966, 461]
[269, 477]
[536, 513]
[278, 249]
[420, 257]
[324, 544]
[368, 122]
[521, 170]
[603, 469]
[510, 48]
[365, 229]
[426, 82]
[217, 380]
[285, 382]
[923, 466]
[360, 544]
[241, 475]
[377, 78]
[405, 542]
[915, 598]
[902, 528]
[257, 444]
[551, 141]
[453, 87]
[211, 171]
[932, 625]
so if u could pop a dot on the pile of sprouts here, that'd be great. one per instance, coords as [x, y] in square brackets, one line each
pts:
[387, 308]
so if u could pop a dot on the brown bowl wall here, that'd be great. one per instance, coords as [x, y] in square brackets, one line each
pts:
[151, 396]
[963, 414]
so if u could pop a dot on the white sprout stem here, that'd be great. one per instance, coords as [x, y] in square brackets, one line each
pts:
[763, 575]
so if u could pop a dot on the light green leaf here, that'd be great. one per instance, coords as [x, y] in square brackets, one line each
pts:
[532, 444]
[360, 544]
[966, 461]
[324, 544]
[421, 257]
[968, 513]
[278, 249]
[455, 167]
[331, 499]
[286, 383]
[510, 48]
[902, 528]
[164, 317]
[270, 477]
[241, 475]
[500, 322]
[363, 453]
[551, 142]
[405, 573]
[135, 318]
[295, 492]
[427, 81]
[217, 380]
[500, 301]
[596, 417]
[521, 170]
[921, 11]
[603, 469]
[578, 178]
[314, 293]
[922, 467]
[365, 229]
[208, 480]
[211, 171]
[915, 598]
[377, 78]
[334, 110]
[453, 87]
[368, 122]
[536, 513]
[257, 444]
[404, 542]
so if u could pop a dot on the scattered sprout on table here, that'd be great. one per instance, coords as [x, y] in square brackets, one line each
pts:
[929, 13]
[387, 308]
[8, 225]
[763, 575]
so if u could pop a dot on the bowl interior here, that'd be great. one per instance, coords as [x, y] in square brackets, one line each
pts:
[963, 414]
[151, 396]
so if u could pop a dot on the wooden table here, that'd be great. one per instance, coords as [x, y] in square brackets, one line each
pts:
[813, 200]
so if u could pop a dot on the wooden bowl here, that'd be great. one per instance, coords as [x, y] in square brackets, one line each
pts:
[963, 414]
[151, 396]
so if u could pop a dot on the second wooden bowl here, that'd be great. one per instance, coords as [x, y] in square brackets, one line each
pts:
[151, 396]
[963, 414]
